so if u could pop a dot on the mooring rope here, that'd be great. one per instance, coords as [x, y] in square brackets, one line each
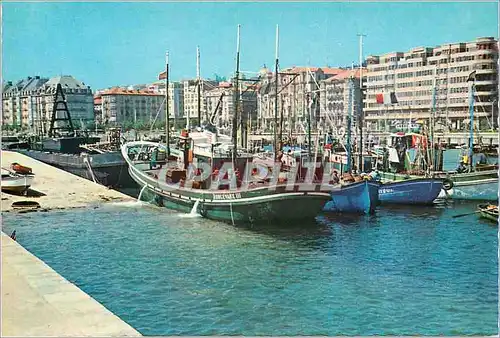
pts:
[86, 160]
[231, 207]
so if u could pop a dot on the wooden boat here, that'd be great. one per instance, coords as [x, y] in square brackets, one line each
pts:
[488, 211]
[15, 183]
[247, 201]
[20, 169]
[416, 191]
[406, 157]
[358, 197]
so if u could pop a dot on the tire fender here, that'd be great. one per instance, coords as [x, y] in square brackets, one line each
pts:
[447, 184]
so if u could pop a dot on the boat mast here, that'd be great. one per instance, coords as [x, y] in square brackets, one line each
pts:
[431, 123]
[360, 116]
[167, 108]
[349, 116]
[309, 121]
[471, 81]
[198, 78]
[236, 98]
[276, 96]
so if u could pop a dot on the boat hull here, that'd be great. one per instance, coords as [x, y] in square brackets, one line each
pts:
[360, 197]
[475, 186]
[275, 204]
[480, 190]
[410, 192]
[109, 169]
[491, 215]
[17, 184]
[280, 209]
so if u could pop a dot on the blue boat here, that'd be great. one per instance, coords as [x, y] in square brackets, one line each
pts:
[359, 197]
[411, 192]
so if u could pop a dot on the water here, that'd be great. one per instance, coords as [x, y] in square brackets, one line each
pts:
[141, 192]
[403, 271]
[194, 211]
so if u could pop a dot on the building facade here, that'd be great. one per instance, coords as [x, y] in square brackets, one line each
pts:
[175, 96]
[340, 93]
[121, 105]
[299, 92]
[225, 93]
[190, 95]
[29, 102]
[424, 79]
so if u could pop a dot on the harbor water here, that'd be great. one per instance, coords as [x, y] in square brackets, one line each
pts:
[402, 271]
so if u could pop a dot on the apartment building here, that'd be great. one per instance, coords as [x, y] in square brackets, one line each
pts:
[298, 91]
[29, 102]
[226, 95]
[19, 101]
[131, 105]
[423, 76]
[175, 97]
[190, 95]
[337, 91]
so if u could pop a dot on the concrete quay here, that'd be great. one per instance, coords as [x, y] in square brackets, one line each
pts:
[37, 301]
[54, 188]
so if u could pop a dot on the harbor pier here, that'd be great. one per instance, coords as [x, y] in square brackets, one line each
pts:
[37, 301]
[54, 188]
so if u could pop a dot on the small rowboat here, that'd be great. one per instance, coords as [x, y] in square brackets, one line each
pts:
[20, 169]
[16, 183]
[488, 211]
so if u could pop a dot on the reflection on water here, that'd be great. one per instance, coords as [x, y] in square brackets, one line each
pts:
[401, 271]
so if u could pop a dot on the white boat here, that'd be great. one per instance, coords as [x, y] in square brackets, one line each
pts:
[12, 182]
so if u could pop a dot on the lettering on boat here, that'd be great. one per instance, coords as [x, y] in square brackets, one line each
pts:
[385, 191]
[231, 196]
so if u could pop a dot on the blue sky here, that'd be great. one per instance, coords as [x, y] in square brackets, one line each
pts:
[106, 44]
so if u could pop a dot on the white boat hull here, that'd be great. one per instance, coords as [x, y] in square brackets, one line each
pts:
[17, 184]
[479, 190]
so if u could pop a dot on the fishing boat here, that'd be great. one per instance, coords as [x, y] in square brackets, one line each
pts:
[359, 197]
[416, 191]
[354, 194]
[478, 186]
[407, 159]
[15, 183]
[252, 201]
[488, 211]
[205, 178]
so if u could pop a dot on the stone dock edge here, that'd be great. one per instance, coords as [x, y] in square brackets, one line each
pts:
[37, 301]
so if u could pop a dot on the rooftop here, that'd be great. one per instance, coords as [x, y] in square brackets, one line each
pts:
[344, 74]
[123, 91]
[66, 81]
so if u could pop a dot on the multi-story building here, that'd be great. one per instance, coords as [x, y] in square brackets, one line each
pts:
[175, 97]
[98, 108]
[29, 102]
[121, 105]
[334, 102]
[423, 76]
[19, 101]
[226, 95]
[190, 95]
[298, 91]
[79, 97]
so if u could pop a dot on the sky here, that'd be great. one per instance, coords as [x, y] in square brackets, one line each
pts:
[108, 44]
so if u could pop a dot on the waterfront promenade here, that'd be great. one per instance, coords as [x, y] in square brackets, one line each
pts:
[54, 188]
[36, 301]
